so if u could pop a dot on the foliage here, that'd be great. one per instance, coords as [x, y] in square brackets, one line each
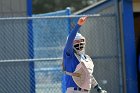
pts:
[45, 6]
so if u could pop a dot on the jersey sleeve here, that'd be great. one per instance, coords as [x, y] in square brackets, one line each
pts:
[69, 43]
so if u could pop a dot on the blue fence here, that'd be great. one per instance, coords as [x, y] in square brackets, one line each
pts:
[49, 38]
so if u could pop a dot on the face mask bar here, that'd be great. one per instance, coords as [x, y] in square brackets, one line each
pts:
[79, 44]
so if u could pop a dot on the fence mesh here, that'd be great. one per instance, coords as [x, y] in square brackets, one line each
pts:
[31, 52]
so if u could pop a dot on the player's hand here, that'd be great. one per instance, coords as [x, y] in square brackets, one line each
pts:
[76, 74]
[82, 20]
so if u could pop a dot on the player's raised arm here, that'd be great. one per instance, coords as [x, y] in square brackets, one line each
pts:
[69, 43]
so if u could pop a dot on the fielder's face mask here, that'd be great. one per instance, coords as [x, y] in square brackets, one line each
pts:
[79, 43]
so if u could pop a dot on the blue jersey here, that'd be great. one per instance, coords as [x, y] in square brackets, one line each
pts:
[69, 59]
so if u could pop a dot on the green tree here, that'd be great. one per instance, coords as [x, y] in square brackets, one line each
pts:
[45, 6]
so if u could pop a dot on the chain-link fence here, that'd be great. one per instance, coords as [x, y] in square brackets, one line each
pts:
[31, 51]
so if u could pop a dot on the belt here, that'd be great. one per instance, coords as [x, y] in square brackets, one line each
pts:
[79, 89]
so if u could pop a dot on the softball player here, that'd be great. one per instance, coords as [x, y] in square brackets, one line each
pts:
[78, 66]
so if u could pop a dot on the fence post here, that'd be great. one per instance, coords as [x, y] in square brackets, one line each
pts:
[30, 47]
[129, 46]
[69, 19]
[68, 12]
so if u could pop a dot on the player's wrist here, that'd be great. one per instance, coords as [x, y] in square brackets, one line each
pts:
[78, 25]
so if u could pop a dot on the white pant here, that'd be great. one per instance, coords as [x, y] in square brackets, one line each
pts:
[71, 90]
